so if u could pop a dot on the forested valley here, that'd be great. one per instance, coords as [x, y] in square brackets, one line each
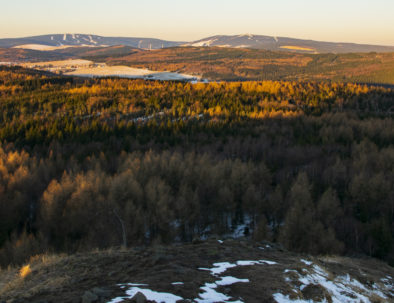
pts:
[97, 163]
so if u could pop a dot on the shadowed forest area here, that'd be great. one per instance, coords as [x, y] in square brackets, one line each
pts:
[97, 163]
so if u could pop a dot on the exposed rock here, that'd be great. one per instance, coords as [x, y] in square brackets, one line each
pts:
[89, 297]
[101, 292]
[139, 298]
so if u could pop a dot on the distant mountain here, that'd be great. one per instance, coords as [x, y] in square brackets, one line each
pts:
[59, 41]
[62, 41]
[287, 44]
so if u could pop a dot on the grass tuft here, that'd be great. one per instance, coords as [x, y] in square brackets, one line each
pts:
[25, 271]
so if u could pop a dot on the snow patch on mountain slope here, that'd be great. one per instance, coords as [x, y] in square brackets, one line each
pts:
[204, 43]
[243, 46]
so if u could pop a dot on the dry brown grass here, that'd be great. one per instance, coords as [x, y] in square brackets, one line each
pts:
[25, 271]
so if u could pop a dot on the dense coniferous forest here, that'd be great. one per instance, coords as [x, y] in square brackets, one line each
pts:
[96, 163]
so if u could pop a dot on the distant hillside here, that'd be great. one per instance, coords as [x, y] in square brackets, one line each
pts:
[229, 64]
[218, 63]
[96, 53]
[51, 42]
[287, 44]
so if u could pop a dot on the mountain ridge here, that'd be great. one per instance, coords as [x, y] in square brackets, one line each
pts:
[59, 41]
[287, 44]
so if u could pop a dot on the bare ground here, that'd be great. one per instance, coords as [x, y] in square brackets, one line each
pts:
[64, 278]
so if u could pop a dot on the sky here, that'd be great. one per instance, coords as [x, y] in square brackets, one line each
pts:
[359, 21]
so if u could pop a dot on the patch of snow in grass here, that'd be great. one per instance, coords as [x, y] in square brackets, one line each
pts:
[159, 297]
[306, 262]
[247, 263]
[286, 299]
[220, 268]
[210, 295]
[388, 284]
[290, 270]
[341, 289]
[268, 262]
[177, 283]
[230, 280]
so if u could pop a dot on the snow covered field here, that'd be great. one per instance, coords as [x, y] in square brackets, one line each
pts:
[43, 47]
[90, 69]
[128, 72]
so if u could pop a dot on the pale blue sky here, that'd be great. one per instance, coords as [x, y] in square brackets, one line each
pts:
[363, 21]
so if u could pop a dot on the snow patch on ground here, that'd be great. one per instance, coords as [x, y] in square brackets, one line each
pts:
[159, 297]
[221, 267]
[239, 230]
[306, 262]
[209, 293]
[341, 288]
[230, 280]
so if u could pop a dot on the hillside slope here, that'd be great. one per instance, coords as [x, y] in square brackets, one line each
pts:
[285, 43]
[61, 40]
[218, 63]
[212, 271]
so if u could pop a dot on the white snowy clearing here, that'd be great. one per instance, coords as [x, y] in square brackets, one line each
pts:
[208, 294]
[127, 72]
[342, 289]
[90, 69]
[42, 47]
